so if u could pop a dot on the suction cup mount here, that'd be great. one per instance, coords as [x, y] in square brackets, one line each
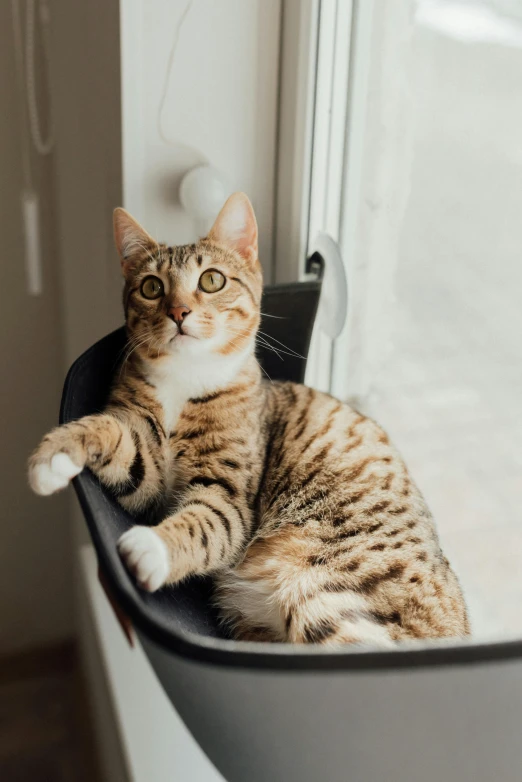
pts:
[326, 263]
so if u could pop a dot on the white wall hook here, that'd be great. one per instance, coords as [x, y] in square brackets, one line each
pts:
[202, 192]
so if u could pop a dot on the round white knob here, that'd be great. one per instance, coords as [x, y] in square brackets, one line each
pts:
[202, 192]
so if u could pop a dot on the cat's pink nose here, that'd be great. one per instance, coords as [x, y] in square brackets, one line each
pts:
[178, 314]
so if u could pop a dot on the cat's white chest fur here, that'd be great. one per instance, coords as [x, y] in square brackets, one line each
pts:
[180, 378]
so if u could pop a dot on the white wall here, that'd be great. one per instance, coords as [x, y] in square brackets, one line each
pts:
[79, 185]
[35, 559]
[220, 108]
[85, 66]
[85, 82]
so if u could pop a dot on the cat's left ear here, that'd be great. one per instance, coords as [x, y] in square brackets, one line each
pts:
[130, 239]
[236, 228]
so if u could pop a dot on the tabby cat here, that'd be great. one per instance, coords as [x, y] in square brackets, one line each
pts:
[298, 505]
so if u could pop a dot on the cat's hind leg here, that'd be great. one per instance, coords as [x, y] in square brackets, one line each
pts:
[281, 586]
[334, 619]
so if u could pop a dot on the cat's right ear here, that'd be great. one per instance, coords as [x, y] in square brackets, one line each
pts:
[130, 238]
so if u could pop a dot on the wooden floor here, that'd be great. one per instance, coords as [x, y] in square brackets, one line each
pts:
[45, 729]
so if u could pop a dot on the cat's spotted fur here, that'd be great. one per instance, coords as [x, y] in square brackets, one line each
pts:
[298, 505]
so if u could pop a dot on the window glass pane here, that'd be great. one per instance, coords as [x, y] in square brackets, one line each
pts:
[451, 391]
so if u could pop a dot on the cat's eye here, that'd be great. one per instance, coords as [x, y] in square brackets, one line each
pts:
[211, 281]
[152, 288]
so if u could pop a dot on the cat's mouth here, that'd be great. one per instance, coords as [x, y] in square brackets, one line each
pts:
[181, 336]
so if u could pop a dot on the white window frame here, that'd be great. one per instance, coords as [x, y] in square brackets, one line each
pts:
[340, 147]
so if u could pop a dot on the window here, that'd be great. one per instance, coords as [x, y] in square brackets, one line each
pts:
[410, 158]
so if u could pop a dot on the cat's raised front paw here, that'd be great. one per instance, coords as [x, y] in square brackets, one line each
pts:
[145, 556]
[47, 477]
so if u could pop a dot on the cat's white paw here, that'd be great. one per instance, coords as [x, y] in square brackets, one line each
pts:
[47, 477]
[146, 556]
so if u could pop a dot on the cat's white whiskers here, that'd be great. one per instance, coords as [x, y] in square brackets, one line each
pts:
[138, 342]
[269, 347]
[263, 338]
[290, 351]
[234, 344]
[279, 317]
[263, 370]
[261, 341]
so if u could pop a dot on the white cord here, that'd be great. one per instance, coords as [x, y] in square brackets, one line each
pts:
[163, 98]
[19, 57]
[42, 145]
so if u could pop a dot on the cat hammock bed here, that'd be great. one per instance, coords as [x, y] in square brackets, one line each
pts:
[282, 713]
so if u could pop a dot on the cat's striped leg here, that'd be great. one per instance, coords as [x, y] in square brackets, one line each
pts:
[281, 584]
[336, 618]
[126, 454]
[205, 535]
